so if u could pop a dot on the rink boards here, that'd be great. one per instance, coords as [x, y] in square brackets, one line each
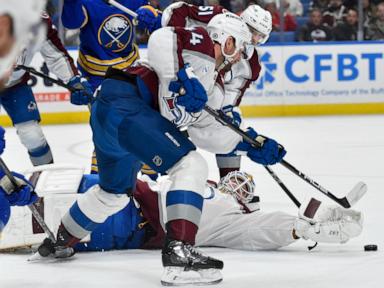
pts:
[297, 79]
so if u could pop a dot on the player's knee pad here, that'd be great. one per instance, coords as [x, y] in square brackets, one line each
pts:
[30, 134]
[32, 137]
[190, 173]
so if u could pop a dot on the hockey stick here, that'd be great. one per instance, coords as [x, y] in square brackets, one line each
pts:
[348, 201]
[124, 9]
[53, 80]
[282, 185]
[32, 207]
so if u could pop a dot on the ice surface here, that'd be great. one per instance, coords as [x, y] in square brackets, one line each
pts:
[337, 152]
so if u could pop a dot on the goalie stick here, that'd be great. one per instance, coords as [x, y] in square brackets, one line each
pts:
[348, 201]
[282, 185]
[32, 207]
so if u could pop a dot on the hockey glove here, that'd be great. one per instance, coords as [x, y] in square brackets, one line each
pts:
[5, 211]
[83, 93]
[24, 195]
[2, 140]
[149, 18]
[269, 153]
[233, 114]
[192, 93]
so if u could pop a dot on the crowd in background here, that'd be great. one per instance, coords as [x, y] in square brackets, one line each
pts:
[304, 20]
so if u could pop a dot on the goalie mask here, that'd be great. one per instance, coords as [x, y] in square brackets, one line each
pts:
[226, 25]
[259, 22]
[238, 184]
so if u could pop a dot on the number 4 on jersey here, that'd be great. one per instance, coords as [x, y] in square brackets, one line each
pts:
[196, 38]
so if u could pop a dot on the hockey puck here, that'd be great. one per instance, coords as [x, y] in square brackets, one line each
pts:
[370, 247]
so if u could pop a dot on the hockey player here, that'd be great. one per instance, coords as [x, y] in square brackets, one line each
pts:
[136, 118]
[237, 76]
[231, 218]
[17, 23]
[11, 195]
[18, 99]
[107, 36]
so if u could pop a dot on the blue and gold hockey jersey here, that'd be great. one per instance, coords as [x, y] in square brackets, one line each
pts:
[107, 35]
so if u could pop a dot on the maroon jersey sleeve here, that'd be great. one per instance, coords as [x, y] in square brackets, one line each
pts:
[178, 13]
[255, 67]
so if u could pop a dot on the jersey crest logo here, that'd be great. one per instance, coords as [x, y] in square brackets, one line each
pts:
[180, 116]
[115, 33]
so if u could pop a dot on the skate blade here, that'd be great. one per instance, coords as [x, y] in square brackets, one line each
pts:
[176, 276]
[35, 257]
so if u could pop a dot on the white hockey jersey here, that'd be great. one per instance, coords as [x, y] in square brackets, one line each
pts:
[169, 50]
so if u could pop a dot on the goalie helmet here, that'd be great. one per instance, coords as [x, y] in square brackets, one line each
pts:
[259, 21]
[226, 25]
[238, 184]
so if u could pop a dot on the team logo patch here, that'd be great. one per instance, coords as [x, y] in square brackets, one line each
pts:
[115, 33]
[32, 106]
[180, 116]
[157, 160]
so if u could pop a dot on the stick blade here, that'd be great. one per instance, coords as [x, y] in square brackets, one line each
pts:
[357, 193]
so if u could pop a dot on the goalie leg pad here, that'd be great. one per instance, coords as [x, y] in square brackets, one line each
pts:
[91, 209]
[32, 137]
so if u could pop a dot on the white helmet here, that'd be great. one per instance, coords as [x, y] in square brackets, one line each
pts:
[227, 25]
[26, 26]
[259, 20]
[238, 184]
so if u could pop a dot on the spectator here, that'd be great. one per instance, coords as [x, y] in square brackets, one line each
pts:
[347, 31]
[369, 12]
[320, 4]
[335, 13]
[289, 20]
[295, 7]
[314, 30]
[376, 28]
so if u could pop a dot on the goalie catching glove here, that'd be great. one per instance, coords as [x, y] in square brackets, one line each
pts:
[269, 153]
[192, 94]
[328, 224]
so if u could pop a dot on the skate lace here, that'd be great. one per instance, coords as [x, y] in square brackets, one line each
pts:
[193, 251]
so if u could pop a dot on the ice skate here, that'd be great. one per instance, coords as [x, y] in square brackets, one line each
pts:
[185, 265]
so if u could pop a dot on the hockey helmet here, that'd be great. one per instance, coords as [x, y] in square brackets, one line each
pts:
[259, 21]
[238, 184]
[223, 26]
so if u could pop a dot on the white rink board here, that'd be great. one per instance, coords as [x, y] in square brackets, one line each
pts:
[322, 73]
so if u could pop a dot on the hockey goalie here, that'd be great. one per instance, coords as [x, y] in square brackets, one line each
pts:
[231, 216]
